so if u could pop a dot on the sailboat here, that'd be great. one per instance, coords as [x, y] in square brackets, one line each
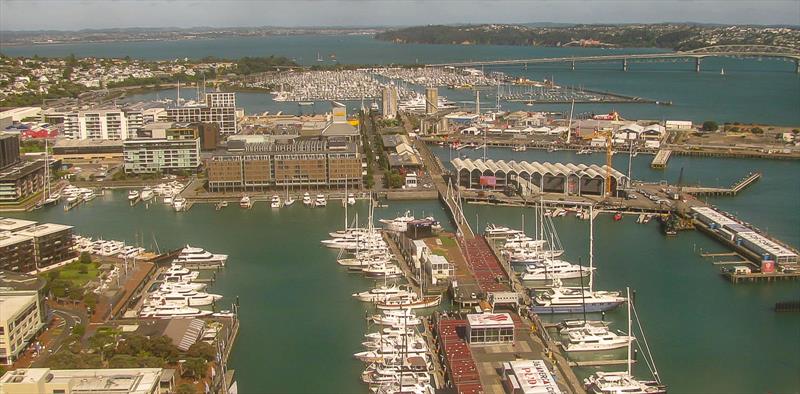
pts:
[48, 197]
[722, 71]
[319, 58]
[625, 382]
[288, 201]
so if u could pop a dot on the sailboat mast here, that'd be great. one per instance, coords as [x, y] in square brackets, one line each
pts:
[569, 125]
[630, 334]
[591, 246]
[345, 205]
[630, 159]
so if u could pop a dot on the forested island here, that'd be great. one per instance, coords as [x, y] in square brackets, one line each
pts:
[670, 36]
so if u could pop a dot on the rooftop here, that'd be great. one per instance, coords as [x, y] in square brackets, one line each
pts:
[19, 170]
[489, 320]
[15, 281]
[12, 224]
[127, 380]
[43, 229]
[68, 143]
[8, 238]
[10, 305]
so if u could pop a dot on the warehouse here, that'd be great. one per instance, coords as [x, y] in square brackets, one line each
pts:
[573, 179]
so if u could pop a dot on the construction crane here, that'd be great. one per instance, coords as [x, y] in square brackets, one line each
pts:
[609, 152]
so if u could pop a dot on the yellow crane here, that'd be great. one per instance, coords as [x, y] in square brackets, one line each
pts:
[609, 152]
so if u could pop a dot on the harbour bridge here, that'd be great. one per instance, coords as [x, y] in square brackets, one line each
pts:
[736, 51]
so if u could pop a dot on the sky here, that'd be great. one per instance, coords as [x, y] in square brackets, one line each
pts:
[94, 14]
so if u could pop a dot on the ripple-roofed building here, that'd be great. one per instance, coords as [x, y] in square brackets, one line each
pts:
[567, 178]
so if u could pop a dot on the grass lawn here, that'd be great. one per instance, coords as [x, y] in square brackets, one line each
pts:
[71, 272]
[447, 242]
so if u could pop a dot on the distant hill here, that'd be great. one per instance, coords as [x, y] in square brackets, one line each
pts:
[671, 36]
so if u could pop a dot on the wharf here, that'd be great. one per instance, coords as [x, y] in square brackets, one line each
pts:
[761, 276]
[717, 191]
[661, 159]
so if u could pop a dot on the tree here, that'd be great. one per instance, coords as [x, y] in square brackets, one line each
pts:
[85, 258]
[395, 180]
[194, 366]
[186, 388]
[710, 125]
[79, 330]
[757, 130]
[123, 361]
[202, 350]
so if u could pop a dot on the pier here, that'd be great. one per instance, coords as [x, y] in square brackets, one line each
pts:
[719, 191]
[661, 159]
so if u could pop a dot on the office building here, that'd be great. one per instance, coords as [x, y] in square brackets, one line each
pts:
[149, 156]
[431, 100]
[85, 381]
[218, 108]
[9, 149]
[87, 151]
[19, 322]
[390, 100]
[17, 253]
[332, 163]
[52, 243]
[209, 135]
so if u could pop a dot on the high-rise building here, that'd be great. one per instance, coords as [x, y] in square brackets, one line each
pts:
[149, 156]
[390, 100]
[219, 108]
[9, 150]
[431, 100]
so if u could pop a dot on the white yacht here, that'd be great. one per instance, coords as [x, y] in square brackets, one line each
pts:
[129, 252]
[88, 194]
[179, 204]
[147, 194]
[177, 273]
[198, 256]
[351, 199]
[561, 299]
[397, 318]
[306, 199]
[382, 270]
[133, 195]
[387, 375]
[190, 298]
[549, 269]
[245, 202]
[320, 201]
[495, 231]
[405, 388]
[384, 292]
[181, 287]
[169, 312]
[408, 303]
[275, 202]
[591, 338]
[289, 201]
[621, 382]
[169, 198]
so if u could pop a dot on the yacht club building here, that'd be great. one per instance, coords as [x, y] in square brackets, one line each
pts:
[569, 178]
[490, 328]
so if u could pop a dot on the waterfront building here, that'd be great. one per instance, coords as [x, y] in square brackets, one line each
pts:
[490, 328]
[528, 377]
[52, 243]
[390, 100]
[20, 321]
[21, 180]
[209, 136]
[87, 151]
[218, 108]
[332, 163]
[9, 149]
[535, 177]
[16, 253]
[431, 100]
[19, 114]
[83, 381]
[163, 147]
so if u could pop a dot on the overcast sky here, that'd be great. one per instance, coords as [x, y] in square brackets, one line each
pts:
[81, 14]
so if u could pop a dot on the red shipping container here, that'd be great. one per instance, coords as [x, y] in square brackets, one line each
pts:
[767, 266]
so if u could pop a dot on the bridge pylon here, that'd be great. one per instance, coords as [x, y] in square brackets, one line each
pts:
[624, 64]
[697, 64]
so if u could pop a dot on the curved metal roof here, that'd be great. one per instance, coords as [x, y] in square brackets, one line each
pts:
[555, 169]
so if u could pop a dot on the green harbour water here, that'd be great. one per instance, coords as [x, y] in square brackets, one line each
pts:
[300, 326]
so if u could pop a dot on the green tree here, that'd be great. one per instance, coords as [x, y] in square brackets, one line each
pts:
[202, 350]
[123, 361]
[79, 330]
[395, 180]
[195, 367]
[85, 258]
[710, 125]
[757, 130]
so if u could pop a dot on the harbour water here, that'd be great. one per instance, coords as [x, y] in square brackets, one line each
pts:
[752, 90]
[300, 326]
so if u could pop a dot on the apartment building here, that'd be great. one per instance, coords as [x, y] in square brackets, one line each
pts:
[218, 108]
[297, 163]
[9, 149]
[52, 243]
[101, 124]
[148, 156]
